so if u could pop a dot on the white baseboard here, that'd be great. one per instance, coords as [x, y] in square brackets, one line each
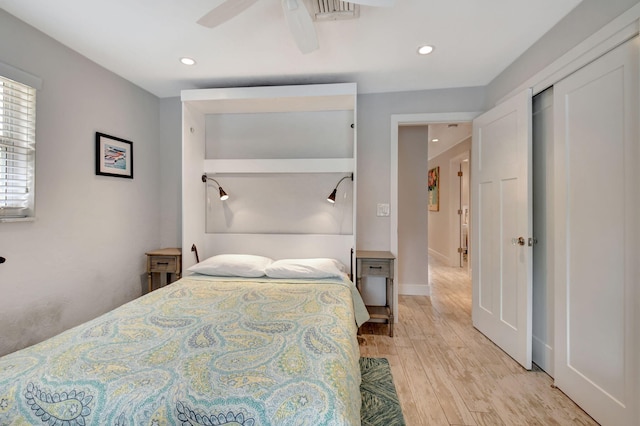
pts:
[439, 256]
[414, 290]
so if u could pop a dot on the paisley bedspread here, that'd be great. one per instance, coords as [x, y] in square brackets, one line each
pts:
[201, 351]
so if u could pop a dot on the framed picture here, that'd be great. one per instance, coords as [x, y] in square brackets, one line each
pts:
[434, 189]
[114, 156]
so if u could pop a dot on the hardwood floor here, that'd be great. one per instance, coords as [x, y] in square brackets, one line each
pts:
[448, 373]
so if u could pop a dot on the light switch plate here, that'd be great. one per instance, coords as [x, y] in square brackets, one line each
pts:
[383, 210]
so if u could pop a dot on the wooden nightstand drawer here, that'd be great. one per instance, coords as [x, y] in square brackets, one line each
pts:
[163, 264]
[375, 268]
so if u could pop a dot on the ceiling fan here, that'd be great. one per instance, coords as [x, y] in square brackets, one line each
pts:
[295, 12]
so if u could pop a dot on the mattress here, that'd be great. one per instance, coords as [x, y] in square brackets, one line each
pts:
[201, 351]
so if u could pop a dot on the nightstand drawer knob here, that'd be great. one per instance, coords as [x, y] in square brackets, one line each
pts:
[375, 267]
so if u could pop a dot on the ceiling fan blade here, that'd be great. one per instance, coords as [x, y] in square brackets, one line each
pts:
[375, 3]
[300, 25]
[225, 11]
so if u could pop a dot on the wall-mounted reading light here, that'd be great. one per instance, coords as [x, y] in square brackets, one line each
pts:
[223, 195]
[332, 197]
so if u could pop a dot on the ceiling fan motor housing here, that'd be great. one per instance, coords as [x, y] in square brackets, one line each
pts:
[330, 10]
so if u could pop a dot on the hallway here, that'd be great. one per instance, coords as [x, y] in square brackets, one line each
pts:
[447, 373]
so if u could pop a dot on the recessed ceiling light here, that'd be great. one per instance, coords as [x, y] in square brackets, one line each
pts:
[425, 50]
[435, 140]
[187, 61]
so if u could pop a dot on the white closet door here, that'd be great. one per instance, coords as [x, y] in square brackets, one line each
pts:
[596, 217]
[501, 226]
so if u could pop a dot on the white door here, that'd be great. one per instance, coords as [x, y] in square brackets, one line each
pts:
[459, 210]
[501, 226]
[596, 214]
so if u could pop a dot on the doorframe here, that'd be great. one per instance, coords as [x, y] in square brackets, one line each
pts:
[398, 120]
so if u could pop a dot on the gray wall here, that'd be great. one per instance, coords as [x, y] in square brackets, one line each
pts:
[170, 173]
[374, 145]
[84, 253]
[587, 18]
[413, 253]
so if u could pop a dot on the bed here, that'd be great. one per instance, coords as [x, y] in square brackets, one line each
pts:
[205, 350]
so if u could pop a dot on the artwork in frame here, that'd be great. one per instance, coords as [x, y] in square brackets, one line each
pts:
[114, 156]
[434, 189]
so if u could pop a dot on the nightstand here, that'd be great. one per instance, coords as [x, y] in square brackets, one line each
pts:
[377, 264]
[164, 261]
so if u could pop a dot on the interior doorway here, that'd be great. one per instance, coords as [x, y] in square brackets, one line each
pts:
[398, 120]
[448, 211]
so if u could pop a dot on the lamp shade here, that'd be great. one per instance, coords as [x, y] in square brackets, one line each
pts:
[332, 198]
[223, 195]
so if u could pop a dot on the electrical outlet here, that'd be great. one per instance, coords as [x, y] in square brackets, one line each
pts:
[383, 210]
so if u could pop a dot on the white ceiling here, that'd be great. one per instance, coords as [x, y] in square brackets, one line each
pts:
[142, 41]
[448, 135]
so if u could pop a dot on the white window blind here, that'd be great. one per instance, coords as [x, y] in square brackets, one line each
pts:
[17, 149]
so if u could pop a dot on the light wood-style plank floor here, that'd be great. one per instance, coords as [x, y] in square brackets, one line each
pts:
[448, 373]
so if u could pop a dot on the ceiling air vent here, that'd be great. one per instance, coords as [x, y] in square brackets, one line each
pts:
[327, 10]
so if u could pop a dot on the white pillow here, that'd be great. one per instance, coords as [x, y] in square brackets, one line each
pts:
[305, 268]
[233, 265]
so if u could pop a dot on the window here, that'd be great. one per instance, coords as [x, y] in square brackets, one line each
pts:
[17, 149]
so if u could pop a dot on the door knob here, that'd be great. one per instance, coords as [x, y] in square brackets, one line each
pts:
[518, 241]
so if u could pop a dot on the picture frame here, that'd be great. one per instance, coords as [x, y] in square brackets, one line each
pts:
[114, 156]
[433, 187]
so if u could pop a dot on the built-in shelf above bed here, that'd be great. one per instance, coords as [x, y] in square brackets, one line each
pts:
[289, 165]
[315, 97]
[295, 142]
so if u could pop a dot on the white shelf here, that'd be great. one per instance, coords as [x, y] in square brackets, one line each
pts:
[306, 165]
[323, 97]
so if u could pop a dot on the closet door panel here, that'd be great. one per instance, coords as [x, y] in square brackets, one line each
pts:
[596, 137]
